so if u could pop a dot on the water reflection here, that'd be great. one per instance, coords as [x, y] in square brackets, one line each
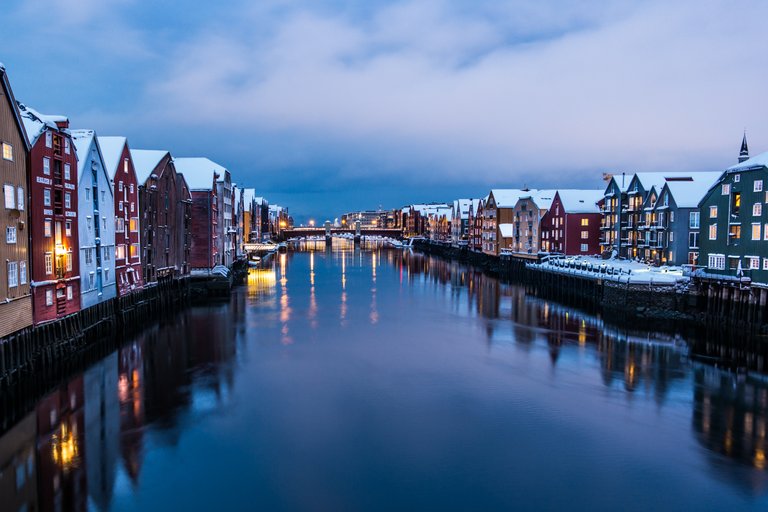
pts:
[88, 442]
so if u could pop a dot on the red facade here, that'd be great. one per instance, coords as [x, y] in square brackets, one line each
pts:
[204, 253]
[53, 219]
[127, 229]
[570, 233]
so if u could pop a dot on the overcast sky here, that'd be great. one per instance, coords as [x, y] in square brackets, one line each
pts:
[327, 106]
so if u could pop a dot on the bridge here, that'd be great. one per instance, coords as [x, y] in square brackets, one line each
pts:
[306, 232]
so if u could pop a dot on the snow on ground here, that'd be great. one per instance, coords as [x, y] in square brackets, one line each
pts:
[624, 271]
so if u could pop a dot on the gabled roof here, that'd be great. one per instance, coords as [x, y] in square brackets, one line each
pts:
[507, 197]
[541, 198]
[112, 150]
[145, 161]
[199, 171]
[755, 162]
[36, 123]
[580, 201]
[462, 207]
[14, 106]
[687, 194]
[83, 140]
[658, 179]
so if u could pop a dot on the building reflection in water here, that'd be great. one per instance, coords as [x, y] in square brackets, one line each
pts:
[312, 296]
[68, 452]
[285, 304]
[730, 418]
[374, 314]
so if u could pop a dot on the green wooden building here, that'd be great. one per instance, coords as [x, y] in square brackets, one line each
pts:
[734, 222]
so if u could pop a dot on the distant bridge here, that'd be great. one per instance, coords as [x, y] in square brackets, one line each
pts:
[321, 231]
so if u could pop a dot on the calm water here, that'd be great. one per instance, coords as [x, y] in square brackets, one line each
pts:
[376, 380]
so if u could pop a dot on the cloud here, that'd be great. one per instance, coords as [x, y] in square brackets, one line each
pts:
[428, 83]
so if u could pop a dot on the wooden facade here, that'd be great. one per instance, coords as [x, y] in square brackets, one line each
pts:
[15, 292]
[55, 260]
[129, 275]
[572, 226]
[204, 252]
[162, 226]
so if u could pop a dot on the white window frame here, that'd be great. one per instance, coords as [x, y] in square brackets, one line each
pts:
[13, 274]
[22, 272]
[9, 196]
[48, 139]
[757, 186]
[48, 263]
[47, 199]
[46, 166]
[713, 212]
[759, 227]
[726, 189]
[754, 263]
[736, 178]
[712, 236]
[67, 170]
[49, 300]
[10, 234]
[757, 209]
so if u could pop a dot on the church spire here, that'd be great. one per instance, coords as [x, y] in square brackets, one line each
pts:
[744, 153]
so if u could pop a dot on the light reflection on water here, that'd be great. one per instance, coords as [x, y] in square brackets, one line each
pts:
[378, 379]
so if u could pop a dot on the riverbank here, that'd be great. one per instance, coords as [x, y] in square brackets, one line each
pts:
[673, 299]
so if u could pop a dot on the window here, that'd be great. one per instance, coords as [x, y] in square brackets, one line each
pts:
[69, 292]
[756, 231]
[713, 231]
[716, 261]
[46, 165]
[7, 151]
[120, 206]
[131, 206]
[131, 188]
[68, 228]
[713, 212]
[726, 189]
[693, 222]
[120, 225]
[103, 195]
[584, 235]
[22, 272]
[88, 257]
[88, 224]
[49, 302]
[693, 240]
[10, 234]
[20, 198]
[584, 247]
[754, 262]
[67, 200]
[758, 186]
[765, 263]
[757, 209]
[736, 178]
[13, 274]
[48, 263]
[134, 250]
[47, 197]
[48, 228]
[104, 223]
[120, 252]
[48, 139]
[67, 171]
[106, 274]
[87, 194]
[91, 281]
[119, 186]
[105, 253]
[9, 192]
[671, 236]
[69, 260]
[734, 232]
[125, 166]
[134, 224]
[66, 146]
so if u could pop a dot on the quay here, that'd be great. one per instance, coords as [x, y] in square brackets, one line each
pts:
[686, 300]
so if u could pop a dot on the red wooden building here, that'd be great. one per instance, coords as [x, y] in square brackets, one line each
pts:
[161, 197]
[125, 186]
[205, 242]
[53, 229]
[572, 224]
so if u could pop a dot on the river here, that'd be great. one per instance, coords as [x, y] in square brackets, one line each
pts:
[380, 380]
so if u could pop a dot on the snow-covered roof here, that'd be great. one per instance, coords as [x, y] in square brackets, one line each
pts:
[145, 161]
[541, 198]
[111, 151]
[507, 197]
[36, 123]
[83, 140]
[658, 179]
[260, 201]
[461, 207]
[199, 171]
[756, 161]
[249, 195]
[687, 194]
[580, 201]
[426, 209]
[507, 230]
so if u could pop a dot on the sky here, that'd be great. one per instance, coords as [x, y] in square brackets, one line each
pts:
[327, 106]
